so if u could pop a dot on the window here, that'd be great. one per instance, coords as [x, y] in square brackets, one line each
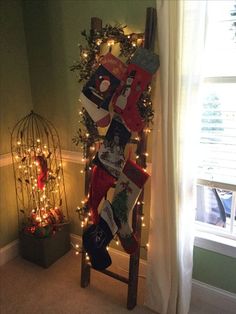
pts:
[216, 190]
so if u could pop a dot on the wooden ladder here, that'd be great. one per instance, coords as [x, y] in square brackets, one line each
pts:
[132, 280]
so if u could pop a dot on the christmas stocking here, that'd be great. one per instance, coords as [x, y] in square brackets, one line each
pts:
[97, 92]
[142, 66]
[128, 188]
[101, 181]
[97, 237]
[111, 153]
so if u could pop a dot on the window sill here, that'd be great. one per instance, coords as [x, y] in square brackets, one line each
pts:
[215, 243]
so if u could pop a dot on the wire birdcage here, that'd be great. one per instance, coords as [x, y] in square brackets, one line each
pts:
[39, 180]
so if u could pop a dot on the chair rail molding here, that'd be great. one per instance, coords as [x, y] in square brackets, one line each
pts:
[67, 156]
[5, 159]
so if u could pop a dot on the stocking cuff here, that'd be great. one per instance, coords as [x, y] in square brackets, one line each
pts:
[135, 173]
[146, 59]
[114, 66]
[99, 115]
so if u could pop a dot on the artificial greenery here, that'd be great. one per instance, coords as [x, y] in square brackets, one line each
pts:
[145, 106]
[88, 133]
[87, 64]
[89, 55]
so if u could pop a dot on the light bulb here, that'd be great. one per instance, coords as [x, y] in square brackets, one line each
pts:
[98, 42]
[110, 43]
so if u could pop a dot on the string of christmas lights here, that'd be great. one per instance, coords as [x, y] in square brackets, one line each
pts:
[87, 136]
[38, 175]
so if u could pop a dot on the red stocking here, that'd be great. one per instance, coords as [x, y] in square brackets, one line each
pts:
[101, 181]
[139, 74]
[126, 97]
[43, 174]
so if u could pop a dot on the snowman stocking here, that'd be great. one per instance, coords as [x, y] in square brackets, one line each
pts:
[111, 153]
[139, 74]
[127, 191]
[97, 92]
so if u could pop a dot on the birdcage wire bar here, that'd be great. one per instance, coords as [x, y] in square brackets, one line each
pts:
[38, 171]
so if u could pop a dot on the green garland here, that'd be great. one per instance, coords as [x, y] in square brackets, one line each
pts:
[85, 67]
[88, 134]
[90, 54]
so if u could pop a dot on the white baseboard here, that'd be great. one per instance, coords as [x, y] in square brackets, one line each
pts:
[72, 156]
[201, 293]
[223, 300]
[120, 260]
[9, 252]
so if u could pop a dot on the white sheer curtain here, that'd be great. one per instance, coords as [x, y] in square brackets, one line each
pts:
[181, 29]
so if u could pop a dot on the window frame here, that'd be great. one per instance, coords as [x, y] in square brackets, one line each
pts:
[208, 236]
[211, 237]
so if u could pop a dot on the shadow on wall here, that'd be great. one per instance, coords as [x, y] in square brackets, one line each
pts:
[47, 63]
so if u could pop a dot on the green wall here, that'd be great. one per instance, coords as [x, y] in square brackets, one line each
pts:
[53, 31]
[38, 51]
[15, 102]
[8, 211]
[214, 269]
[15, 87]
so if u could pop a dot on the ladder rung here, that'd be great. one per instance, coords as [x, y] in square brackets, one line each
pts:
[114, 275]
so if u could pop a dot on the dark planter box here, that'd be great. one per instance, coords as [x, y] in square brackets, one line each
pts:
[45, 251]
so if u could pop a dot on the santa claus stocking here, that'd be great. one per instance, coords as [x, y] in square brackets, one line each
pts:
[142, 66]
[127, 191]
[97, 92]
